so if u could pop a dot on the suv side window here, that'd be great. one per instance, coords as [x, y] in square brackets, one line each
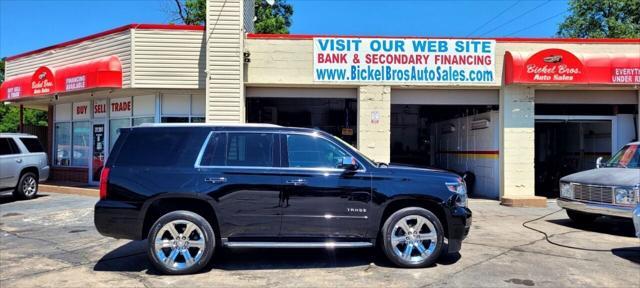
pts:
[32, 144]
[239, 149]
[8, 147]
[306, 151]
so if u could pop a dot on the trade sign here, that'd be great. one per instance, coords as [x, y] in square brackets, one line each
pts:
[428, 61]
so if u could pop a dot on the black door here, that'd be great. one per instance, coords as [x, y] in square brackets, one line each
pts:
[320, 199]
[237, 171]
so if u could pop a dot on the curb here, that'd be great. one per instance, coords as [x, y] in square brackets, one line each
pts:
[69, 190]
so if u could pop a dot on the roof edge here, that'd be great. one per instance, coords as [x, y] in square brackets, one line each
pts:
[108, 32]
[498, 39]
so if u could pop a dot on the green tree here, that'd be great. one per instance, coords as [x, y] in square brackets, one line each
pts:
[10, 114]
[602, 19]
[270, 19]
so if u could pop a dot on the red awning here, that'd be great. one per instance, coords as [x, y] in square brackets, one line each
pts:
[99, 73]
[557, 66]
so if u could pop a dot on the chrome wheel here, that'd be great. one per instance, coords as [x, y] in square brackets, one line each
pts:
[414, 238]
[179, 244]
[29, 186]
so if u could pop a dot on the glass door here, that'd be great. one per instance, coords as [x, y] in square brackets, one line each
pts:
[99, 150]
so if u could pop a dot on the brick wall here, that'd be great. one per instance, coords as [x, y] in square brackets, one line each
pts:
[69, 174]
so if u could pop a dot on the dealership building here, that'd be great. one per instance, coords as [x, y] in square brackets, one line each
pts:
[515, 113]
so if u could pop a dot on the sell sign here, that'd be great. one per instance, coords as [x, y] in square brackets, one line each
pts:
[99, 108]
[427, 61]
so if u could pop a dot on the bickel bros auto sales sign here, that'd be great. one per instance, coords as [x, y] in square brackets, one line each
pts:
[428, 61]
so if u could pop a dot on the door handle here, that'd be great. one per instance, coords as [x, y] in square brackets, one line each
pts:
[297, 182]
[215, 180]
[18, 160]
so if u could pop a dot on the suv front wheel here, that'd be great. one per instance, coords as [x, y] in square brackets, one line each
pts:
[412, 237]
[180, 242]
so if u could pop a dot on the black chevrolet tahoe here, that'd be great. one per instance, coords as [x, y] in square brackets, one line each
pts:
[190, 189]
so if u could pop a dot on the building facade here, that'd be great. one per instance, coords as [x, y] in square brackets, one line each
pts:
[515, 113]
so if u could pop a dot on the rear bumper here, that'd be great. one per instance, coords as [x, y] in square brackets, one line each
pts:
[118, 219]
[459, 225]
[44, 174]
[596, 208]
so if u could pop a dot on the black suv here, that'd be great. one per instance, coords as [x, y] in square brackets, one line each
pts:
[191, 188]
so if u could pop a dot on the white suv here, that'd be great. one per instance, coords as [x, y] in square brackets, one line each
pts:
[23, 163]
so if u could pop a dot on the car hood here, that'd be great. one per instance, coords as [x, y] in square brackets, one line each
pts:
[414, 170]
[606, 176]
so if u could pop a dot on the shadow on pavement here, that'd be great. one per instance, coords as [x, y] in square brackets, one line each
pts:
[8, 198]
[605, 225]
[628, 253]
[132, 257]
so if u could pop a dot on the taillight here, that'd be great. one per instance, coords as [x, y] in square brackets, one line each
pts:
[104, 177]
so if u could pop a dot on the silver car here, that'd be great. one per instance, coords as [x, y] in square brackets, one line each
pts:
[23, 163]
[612, 189]
[636, 220]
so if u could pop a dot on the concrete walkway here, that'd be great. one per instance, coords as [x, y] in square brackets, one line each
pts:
[51, 242]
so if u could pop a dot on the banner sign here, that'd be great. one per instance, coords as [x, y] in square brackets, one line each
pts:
[75, 83]
[42, 81]
[554, 66]
[420, 61]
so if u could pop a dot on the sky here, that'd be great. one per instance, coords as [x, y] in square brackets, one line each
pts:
[27, 25]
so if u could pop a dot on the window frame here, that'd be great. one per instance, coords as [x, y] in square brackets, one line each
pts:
[14, 148]
[277, 149]
[279, 141]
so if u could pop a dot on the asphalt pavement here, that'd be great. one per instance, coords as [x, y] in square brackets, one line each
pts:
[51, 242]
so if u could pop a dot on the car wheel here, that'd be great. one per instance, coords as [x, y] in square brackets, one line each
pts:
[581, 217]
[27, 187]
[180, 242]
[412, 237]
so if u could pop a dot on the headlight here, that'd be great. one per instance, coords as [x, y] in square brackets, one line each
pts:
[566, 190]
[625, 196]
[459, 188]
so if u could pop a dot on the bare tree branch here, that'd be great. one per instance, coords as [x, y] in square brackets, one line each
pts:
[181, 11]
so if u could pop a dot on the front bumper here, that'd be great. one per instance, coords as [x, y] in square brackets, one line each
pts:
[596, 208]
[459, 224]
[636, 220]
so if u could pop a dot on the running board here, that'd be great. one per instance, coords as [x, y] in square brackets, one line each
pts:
[327, 245]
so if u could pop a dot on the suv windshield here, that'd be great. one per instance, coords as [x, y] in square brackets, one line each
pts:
[627, 157]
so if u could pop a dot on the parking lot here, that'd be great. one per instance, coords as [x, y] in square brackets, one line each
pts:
[51, 242]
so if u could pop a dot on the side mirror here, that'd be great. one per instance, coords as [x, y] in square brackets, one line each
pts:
[349, 163]
[599, 162]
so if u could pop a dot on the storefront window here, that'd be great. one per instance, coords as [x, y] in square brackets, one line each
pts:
[182, 108]
[62, 148]
[175, 119]
[197, 119]
[141, 120]
[114, 125]
[81, 143]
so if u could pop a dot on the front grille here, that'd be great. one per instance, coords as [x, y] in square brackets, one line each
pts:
[594, 193]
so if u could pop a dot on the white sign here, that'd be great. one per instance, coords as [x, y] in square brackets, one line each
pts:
[81, 110]
[100, 109]
[120, 107]
[75, 83]
[375, 117]
[14, 92]
[427, 61]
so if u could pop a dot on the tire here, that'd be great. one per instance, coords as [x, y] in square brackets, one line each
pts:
[27, 187]
[398, 251]
[581, 218]
[178, 246]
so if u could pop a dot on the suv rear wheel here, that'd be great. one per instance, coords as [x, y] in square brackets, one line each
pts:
[412, 237]
[180, 242]
[581, 217]
[27, 187]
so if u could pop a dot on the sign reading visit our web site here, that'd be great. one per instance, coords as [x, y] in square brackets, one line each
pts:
[431, 61]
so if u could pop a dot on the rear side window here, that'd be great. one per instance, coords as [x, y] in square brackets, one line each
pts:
[32, 144]
[8, 146]
[239, 149]
[160, 147]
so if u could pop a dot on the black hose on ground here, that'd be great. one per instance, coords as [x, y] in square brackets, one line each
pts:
[546, 236]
